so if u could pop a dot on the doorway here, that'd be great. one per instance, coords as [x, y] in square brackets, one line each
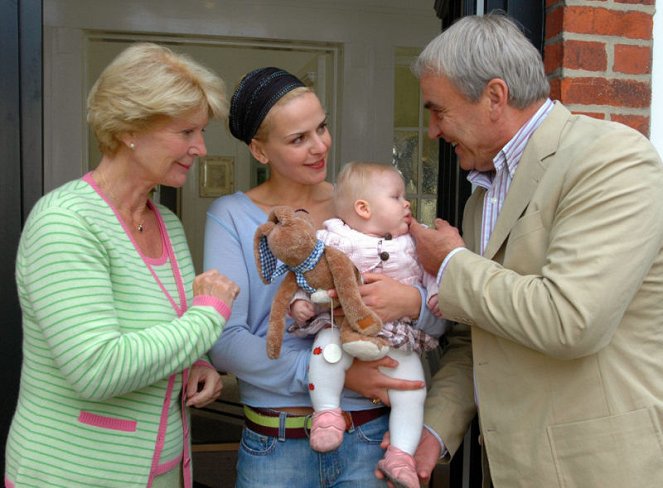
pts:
[228, 166]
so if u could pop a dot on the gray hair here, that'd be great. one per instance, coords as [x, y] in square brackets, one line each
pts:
[477, 49]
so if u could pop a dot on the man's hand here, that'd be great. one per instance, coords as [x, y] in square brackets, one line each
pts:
[425, 457]
[433, 245]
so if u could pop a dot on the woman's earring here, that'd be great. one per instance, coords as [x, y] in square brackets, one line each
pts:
[132, 146]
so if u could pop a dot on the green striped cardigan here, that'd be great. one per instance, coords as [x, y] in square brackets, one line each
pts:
[101, 347]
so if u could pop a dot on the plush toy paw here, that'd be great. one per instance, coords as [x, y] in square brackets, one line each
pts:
[366, 348]
[327, 428]
[398, 467]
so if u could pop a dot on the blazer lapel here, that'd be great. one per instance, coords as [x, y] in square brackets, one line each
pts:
[531, 168]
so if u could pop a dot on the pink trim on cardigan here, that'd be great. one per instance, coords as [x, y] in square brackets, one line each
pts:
[161, 433]
[163, 423]
[8, 483]
[210, 301]
[167, 466]
[165, 239]
[186, 458]
[155, 261]
[104, 422]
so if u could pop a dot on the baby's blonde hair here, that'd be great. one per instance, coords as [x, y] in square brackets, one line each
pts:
[147, 81]
[354, 182]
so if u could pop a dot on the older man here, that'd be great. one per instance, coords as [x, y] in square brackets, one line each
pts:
[558, 275]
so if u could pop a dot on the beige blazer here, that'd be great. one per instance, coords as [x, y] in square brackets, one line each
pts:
[566, 315]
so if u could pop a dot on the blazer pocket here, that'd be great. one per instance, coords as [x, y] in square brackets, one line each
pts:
[111, 423]
[616, 451]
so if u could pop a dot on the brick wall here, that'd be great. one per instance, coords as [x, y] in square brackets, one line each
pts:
[598, 56]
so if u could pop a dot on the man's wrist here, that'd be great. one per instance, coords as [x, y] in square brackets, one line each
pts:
[445, 263]
[443, 449]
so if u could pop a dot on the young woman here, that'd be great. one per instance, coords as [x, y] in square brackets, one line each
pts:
[285, 128]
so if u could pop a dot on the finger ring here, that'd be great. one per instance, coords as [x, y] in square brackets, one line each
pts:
[375, 401]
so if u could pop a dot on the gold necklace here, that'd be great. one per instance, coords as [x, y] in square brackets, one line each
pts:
[140, 227]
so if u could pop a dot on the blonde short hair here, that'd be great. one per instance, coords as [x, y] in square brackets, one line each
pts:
[354, 182]
[147, 81]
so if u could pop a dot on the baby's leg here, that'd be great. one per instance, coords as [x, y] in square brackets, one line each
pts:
[326, 378]
[407, 406]
[405, 422]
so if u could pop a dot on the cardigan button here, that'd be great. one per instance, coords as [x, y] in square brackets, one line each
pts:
[384, 255]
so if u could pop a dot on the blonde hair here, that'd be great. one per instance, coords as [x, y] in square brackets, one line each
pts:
[147, 81]
[262, 134]
[354, 182]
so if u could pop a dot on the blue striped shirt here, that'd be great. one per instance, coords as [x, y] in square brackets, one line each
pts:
[497, 183]
[506, 162]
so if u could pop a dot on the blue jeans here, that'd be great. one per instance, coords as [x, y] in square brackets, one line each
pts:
[291, 463]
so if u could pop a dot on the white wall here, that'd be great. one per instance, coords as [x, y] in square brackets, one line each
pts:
[367, 31]
[364, 33]
[656, 132]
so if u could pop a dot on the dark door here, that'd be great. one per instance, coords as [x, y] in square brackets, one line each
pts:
[454, 189]
[20, 173]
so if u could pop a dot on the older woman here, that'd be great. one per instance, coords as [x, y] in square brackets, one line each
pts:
[113, 317]
[285, 128]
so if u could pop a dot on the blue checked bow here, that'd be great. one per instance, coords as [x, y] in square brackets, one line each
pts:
[270, 271]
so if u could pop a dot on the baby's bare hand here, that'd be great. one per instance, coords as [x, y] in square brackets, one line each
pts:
[302, 311]
[214, 284]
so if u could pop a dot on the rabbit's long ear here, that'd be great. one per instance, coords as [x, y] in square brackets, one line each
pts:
[265, 260]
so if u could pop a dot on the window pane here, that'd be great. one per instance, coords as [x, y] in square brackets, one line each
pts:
[405, 157]
[430, 165]
[428, 211]
[414, 207]
[406, 98]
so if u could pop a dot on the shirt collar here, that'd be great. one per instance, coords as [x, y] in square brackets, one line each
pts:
[509, 156]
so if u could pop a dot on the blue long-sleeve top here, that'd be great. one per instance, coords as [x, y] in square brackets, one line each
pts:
[229, 232]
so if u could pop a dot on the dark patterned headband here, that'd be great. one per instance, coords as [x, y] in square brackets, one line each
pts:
[255, 95]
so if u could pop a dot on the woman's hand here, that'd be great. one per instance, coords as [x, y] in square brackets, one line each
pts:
[365, 378]
[214, 284]
[204, 386]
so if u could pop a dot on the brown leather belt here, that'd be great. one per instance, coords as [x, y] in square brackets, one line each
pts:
[281, 424]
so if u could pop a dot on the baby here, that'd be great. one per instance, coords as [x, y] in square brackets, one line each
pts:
[372, 229]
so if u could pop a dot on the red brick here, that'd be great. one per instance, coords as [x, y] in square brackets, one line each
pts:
[590, 56]
[596, 115]
[554, 21]
[601, 91]
[638, 122]
[556, 89]
[638, 2]
[633, 59]
[552, 56]
[604, 22]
